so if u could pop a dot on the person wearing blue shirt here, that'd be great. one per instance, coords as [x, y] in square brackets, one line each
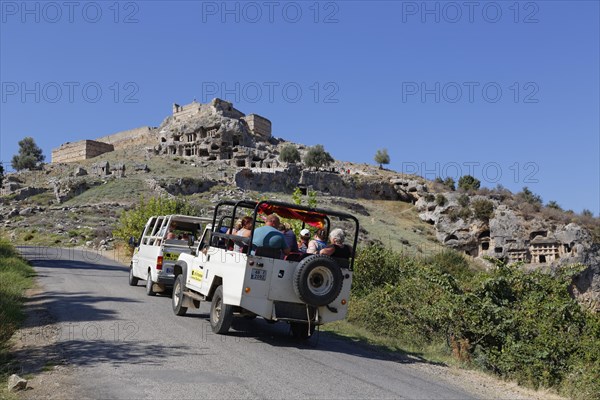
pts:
[269, 236]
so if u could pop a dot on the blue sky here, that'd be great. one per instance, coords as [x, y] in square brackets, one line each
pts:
[506, 91]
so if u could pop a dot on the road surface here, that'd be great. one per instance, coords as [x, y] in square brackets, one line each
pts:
[122, 344]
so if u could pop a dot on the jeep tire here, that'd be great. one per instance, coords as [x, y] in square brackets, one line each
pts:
[221, 314]
[178, 296]
[318, 280]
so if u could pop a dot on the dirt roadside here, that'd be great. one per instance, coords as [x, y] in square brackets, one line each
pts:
[38, 356]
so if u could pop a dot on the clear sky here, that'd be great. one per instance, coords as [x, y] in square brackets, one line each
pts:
[506, 91]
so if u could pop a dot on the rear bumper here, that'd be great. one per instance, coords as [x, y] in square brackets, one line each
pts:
[165, 279]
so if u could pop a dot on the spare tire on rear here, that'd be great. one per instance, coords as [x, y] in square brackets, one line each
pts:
[318, 280]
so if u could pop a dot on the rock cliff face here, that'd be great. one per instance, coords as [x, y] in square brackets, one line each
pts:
[334, 183]
[508, 235]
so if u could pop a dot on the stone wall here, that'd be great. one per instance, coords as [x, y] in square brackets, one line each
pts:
[131, 138]
[259, 125]
[286, 180]
[82, 150]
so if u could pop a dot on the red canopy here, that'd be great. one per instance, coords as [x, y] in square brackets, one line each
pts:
[314, 219]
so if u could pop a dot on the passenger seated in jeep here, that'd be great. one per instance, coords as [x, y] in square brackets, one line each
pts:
[337, 248]
[318, 243]
[268, 237]
[244, 231]
[171, 234]
[289, 236]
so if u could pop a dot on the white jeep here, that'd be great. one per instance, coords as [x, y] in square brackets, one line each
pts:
[163, 239]
[302, 289]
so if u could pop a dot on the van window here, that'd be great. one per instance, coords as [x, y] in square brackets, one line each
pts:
[148, 231]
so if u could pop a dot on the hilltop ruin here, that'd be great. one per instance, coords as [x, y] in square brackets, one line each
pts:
[204, 132]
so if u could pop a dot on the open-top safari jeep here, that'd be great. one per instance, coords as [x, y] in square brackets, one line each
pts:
[302, 289]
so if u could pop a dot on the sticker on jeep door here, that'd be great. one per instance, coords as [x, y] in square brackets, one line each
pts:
[258, 274]
[197, 275]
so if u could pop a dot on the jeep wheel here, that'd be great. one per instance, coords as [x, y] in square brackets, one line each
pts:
[221, 314]
[149, 284]
[133, 281]
[177, 298]
[301, 330]
[318, 280]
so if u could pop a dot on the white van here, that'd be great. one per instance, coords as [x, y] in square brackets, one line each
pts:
[164, 238]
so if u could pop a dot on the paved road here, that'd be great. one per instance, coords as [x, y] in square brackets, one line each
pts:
[126, 345]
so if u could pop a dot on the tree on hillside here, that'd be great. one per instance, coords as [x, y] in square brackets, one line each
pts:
[449, 183]
[382, 157]
[467, 183]
[317, 157]
[554, 204]
[29, 155]
[289, 154]
[529, 197]
[1, 174]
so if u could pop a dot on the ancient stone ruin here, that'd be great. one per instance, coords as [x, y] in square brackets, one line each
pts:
[103, 168]
[82, 150]
[217, 131]
[203, 132]
[507, 236]
[86, 149]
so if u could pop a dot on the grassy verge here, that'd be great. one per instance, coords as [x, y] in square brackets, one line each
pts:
[15, 277]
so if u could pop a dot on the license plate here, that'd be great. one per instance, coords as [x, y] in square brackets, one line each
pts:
[258, 274]
[169, 270]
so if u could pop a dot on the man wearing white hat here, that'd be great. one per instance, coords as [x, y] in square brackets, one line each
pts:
[304, 238]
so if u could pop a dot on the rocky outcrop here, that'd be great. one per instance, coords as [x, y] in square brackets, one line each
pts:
[278, 180]
[186, 186]
[586, 286]
[509, 236]
[332, 183]
[350, 186]
[66, 189]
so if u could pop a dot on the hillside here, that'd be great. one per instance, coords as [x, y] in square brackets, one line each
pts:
[210, 152]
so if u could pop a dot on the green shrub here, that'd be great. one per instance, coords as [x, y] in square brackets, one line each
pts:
[467, 183]
[449, 183]
[528, 196]
[289, 153]
[452, 262]
[429, 197]
[440, 200]
[464, 200]
[524, 324]
[483, 209]
[520, 325]
[462, 213]
[316, 157]
[132, 222]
